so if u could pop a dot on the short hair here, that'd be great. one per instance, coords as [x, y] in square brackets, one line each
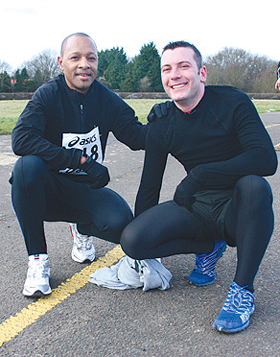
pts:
[176, 44]
[63, 44]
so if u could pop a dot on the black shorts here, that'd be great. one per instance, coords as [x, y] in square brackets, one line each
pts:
[210, 207]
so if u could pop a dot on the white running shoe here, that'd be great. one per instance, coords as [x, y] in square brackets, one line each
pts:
[83, 248]
[38, 276]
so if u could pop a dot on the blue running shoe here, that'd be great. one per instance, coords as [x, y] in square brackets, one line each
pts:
[237, 309]
[204, 270]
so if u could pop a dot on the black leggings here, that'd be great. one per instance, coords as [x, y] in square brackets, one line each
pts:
[39, 195]
[168, 229]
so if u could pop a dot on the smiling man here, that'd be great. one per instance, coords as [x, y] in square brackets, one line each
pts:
[61, 137]
[183, 77]
[79, 62]
[217, 135]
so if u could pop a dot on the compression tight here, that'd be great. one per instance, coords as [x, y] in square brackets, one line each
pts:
[39, 195]
[168, 229]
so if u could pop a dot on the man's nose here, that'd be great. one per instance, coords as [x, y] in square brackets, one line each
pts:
[84, 63]
[175, 73]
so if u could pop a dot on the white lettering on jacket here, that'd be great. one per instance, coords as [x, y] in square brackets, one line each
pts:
[89, 143]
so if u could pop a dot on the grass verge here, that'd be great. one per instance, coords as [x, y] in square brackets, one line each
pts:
[11, 109]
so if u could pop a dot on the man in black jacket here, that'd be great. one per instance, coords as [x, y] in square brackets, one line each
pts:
[217, 135]
[61, 137]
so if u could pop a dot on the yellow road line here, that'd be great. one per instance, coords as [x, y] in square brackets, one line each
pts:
[277, 146]
[15, 324]
[271, 126]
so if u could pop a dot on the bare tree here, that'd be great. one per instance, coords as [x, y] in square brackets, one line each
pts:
[265, 81]
[238, 68]
[5, 67]
[44, 66]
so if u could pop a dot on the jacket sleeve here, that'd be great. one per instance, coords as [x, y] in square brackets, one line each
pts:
[28, 136]
[127, 128]
[258, 156]
[152, 174]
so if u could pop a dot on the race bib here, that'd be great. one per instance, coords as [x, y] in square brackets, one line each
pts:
[89, 143]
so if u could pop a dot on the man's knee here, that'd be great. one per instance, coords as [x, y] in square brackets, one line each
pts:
[27, 169]
[109, 225]
[118, 222]
[131, 241]
[254, 188]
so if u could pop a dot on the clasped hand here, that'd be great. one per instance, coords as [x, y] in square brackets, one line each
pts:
[97, 174]
[184, 195]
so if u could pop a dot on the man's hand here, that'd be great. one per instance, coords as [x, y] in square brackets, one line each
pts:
[159, 110]
[97, 174]
[184, 194]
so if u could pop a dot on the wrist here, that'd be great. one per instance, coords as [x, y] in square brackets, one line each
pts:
[83, 160]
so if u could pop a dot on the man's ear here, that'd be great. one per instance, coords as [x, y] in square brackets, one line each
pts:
[60, 63]
[203, 74]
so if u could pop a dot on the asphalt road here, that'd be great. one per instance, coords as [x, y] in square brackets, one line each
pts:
[93, 321]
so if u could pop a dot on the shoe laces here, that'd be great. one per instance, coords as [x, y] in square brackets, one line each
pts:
[205, 263]
[239, 300]
[84, 242]
[38, 268]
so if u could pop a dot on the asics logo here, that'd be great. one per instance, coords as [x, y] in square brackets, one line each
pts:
[78, 141]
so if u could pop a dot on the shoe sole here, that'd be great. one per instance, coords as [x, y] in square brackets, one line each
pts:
[37, 293]
[191, 282]
[83, 261]
[234, 330]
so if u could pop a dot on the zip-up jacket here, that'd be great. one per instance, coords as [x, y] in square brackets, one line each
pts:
[56, 109]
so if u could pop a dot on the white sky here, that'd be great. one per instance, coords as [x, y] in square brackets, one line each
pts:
[28, 27]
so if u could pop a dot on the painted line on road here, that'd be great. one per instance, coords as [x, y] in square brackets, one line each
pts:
[16, 324]
[277, 146]
[271, 126]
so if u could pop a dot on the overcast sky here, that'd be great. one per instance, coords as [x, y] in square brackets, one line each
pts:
[28, 27]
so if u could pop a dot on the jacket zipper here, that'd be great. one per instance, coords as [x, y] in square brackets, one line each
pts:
[82, 116]
[82, 124]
